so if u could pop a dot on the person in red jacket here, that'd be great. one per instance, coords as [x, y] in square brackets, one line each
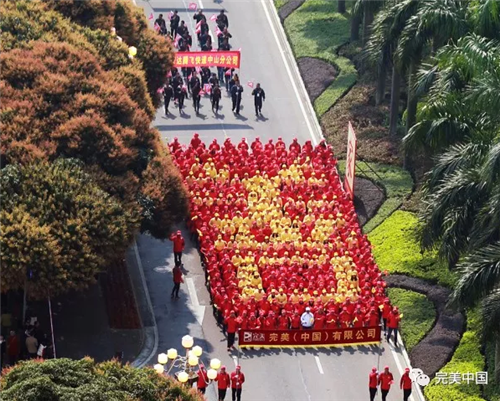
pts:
[393, 323]
[405, 384]
[385, 379]
[177, 275]
[202, 379]
[178, 241]
[373, 383]
[231, 327]
[386, 311]
[237, 380]
[223, 382]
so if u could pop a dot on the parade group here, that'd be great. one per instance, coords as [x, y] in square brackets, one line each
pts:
[200, 81]
[278, 234]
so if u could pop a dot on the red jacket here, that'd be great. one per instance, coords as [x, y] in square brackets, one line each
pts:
[405, 382]
[177, 275]
[393, 321]
[237, 379]
[232, 325]
[178, 242]
[222, 380]
[373, 380]
[385, 380]
[202, 378]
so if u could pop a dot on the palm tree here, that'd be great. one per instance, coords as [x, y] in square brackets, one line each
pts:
[341, 6]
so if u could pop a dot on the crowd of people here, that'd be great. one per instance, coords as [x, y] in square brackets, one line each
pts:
[200, 81]
[278, 234]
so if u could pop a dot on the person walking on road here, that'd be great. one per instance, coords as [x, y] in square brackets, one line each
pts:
[160, 22]
[307, 319]
[373, 383]
[178, 279]
[202, 382]
[231, 327]
[405, 384]
[199, 16]
[259, 96]
[168, 93]
[222, 21]
[385, 380]
[223, 382]
[393, 323]
[216, 95]
[195, 91]
[237, 380]
[179, 244]
[236, 92]
[182, 95]
[174, 24]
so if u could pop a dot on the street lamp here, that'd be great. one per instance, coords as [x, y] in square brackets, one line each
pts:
[185, 364]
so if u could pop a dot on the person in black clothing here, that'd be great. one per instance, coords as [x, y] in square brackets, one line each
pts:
[205, 75]
[220, 74]
[258, 97]
[222, 21]
[234, 79]
[195, 91]
[213, 80]
[189, 40]
[168, 93]
[162, 24]
[194, 79]
[176, 85]
[203, 30]
[223, 37]
[182, 95]
[216, 95]
[182, 29]
[206, 42]
[228, 74]
[174, 24]
[224, 46]
[236, 92]
[199, 16]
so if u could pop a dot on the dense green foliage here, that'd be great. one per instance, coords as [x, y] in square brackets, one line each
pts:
[71, 380]
[397, 250]
[418, 312]
[57, 227]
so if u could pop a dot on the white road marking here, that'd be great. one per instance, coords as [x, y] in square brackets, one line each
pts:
[292, 78]
[194, 306]
[235, 360]
[401, 370]
[318, 364]
[192, 292]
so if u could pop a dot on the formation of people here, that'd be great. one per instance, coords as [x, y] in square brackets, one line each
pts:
[224, 381]
[202, 81]
[384, 380]
[278, 235]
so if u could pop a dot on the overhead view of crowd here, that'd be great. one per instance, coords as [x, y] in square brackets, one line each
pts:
[198, 82]
[278, 235]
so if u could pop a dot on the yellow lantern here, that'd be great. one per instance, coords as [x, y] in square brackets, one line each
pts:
[193, 360]
[215, 364]
[187, 341]
[183, 377]
[162, 358]
[197, 350]
[132, 51]
[172, 353]
[211, 374]
[159, 368]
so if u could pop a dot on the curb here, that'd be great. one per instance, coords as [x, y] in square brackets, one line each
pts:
[151, 338]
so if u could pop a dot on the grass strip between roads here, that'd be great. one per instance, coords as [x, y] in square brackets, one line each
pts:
[317, 30]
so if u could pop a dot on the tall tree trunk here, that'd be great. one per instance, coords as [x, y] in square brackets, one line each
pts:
[367, 21]
[382, 77]
[411, 106]
[341, 6]
[395, 93]
[355, 23]
[497, 359]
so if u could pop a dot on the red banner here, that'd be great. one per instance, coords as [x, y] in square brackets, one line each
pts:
[309, 338]
[207, 59]
[350, 164]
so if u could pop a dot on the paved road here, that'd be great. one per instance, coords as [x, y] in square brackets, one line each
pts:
[303, 375]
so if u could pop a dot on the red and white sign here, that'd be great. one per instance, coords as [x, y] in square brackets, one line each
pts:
[192, 6]
[350, 164]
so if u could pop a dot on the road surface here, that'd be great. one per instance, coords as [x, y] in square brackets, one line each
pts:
[337, 374]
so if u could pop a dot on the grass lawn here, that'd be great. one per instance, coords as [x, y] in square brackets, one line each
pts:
[317, 30]
[279, 3]
[397, 250]
[418, 312]
[396, 181]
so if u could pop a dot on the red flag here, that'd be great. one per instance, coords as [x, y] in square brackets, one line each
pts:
[169, 74]
[198, 69]
[189, 77]
[218, 31]
[197, 31]
[207, 88]
[239, 49]
[202, 92]
[192, 6]
[157, 27]
[198, 24]
[170, 15]
[151, 17]
[160, 90]
[250, 84]
[213, 17]
[176, 41]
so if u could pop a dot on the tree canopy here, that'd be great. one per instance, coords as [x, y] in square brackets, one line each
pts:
[78, 380]
[57, 227]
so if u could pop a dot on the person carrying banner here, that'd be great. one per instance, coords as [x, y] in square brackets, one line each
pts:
[174, 24]
[216, 96]
[236, 92]
[258, 96]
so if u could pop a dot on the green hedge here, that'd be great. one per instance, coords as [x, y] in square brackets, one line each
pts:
[397, 182]
[466, 359]
[317, 30]
[397, 250]
[418, 312]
